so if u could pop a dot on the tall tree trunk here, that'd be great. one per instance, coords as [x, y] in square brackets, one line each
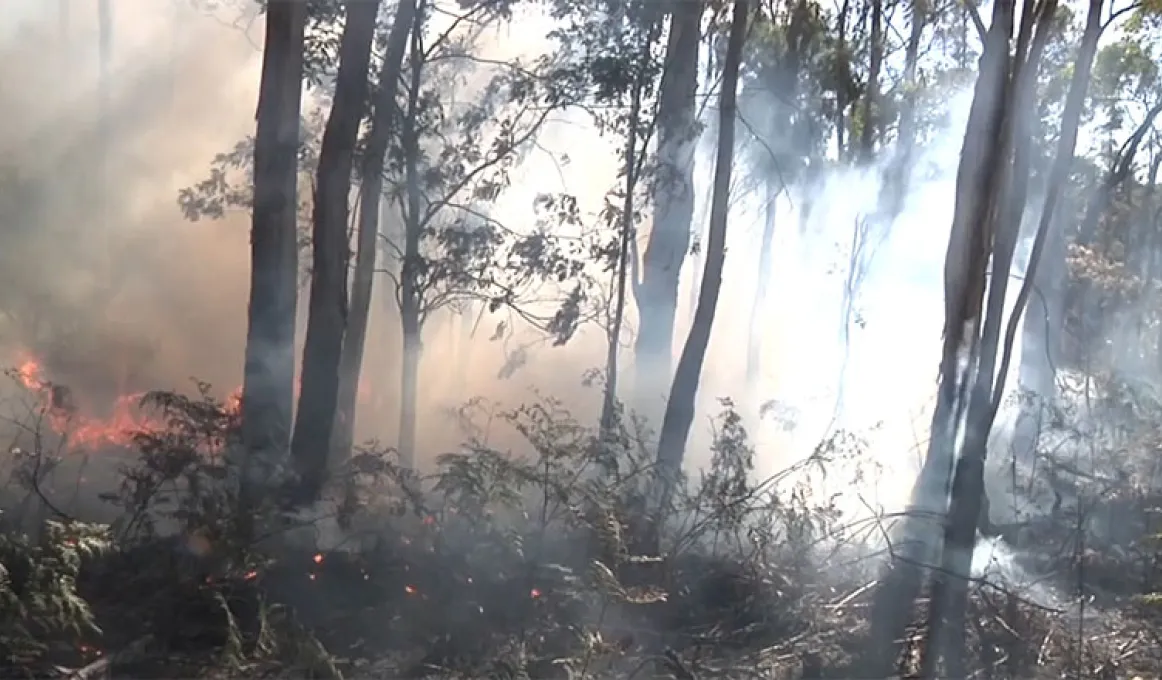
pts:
[754, 343]
[899, 172]
[950, 586]
[268, 382]
[370, 197]
[871, 104]
[669, 239]
[917, 539]
[1010, 181]
[679, 416]
[327, 318]
[410, 295]
[843, 71]
[621, 271]
[786, 124]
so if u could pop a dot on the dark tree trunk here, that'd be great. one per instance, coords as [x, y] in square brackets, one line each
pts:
[669, 239]
[268, 383]
[370, 196]
[917, 539]
[899, 171]
[327, 320]
[679, 414]
[871, 104]
[843, 71]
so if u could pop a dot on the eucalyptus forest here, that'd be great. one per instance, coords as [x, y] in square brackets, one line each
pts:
[581, 339]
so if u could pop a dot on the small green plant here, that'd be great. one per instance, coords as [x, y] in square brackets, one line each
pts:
[40, 610]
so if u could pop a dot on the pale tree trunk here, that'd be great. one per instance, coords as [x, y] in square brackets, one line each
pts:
[868, 133]
[785, 124]
[370, 198]
[327, 318]
[754, 343]
[669, 238]
[916, 542]
[410, 295]
[268, 382]
[950, 584]
[679, 416]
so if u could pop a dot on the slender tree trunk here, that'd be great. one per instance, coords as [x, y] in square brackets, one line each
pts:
[950, 586]
[679, 416]
[1009, 193]
[268, 383]
[916, 541]
[410, 294]
[370, 198]
[669, 239]
[870, 127]
[843, 70]
[621, 271]
[327, 318]
[899, 172]
[754, 327]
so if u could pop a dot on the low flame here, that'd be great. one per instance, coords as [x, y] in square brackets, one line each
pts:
[82, 431]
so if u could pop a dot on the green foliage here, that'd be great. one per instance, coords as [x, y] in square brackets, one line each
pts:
[40, 609]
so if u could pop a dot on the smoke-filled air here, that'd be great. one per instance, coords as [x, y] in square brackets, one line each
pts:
[581, 339]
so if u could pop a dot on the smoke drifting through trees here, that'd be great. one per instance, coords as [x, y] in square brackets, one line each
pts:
[502, 233]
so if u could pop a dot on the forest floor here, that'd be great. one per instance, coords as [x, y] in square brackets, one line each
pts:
[501, 567]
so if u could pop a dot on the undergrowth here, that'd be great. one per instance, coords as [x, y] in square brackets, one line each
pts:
[537, 563]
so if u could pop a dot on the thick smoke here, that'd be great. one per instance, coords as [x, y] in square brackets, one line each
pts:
[115, 292]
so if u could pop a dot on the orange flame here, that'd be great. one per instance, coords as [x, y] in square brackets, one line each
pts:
[82, 431]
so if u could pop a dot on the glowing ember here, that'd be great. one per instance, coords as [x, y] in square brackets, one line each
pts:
[318, 558]
[534, 593]
[410, 590]
[251, 575]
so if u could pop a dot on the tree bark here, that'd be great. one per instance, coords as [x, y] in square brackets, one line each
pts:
[1008, 197]
[843, 70]
[679, 415]
[917, 539]
[754, 343]
[621, 271]
[950, 586]
[370, 196]
[268, 383]
[899, 172]
[867, 137]
[410, 294]
[327, 317]
[669, 239]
